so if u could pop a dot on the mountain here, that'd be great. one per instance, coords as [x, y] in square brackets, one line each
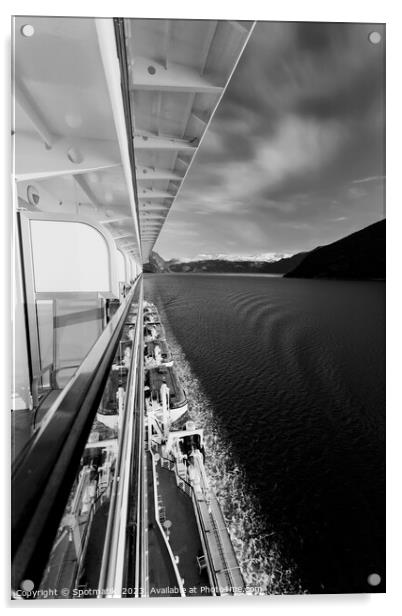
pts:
[265, 256]
[156, 264]
[223, 265]
[247, 267]
[360, 255]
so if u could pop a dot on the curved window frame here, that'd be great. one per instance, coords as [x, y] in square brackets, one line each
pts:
[32, 295]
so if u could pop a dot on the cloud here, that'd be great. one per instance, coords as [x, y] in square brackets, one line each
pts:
[297, 144]
[356, 193]
[298, 147]
[373, 178]
[182, 228]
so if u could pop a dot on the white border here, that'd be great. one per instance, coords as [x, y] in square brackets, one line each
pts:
[306, 10]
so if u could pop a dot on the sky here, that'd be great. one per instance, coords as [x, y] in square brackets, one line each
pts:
[295, 156]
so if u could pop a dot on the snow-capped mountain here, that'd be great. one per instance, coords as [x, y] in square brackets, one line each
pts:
[265, 263]
[268, 257]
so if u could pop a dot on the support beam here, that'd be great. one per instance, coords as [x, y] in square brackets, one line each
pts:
[186, 163]
[144, 194]
[152, 217]
[152, 206]
[158, 112]
[182, 164]
[150, 75]
[202, 118]
[237, 25]
[187, 113]
[207, 45]
[166, 41]
[83, 184]
[67, 157]
[120, 237]
[28, 105]
[162, 213]
[109, 221]
[150, 174]
[145, 142]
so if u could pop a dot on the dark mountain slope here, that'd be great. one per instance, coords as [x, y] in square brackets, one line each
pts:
[360, 255]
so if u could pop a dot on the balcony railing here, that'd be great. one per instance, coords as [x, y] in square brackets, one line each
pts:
[45, 470]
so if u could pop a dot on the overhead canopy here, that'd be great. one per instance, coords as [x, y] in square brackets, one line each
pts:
[77, 120]
[178, 72]
[68, 145]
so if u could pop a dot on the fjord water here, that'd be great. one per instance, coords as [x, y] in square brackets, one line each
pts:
[295, 372]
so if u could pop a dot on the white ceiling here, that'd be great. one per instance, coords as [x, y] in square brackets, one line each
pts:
[62, 96]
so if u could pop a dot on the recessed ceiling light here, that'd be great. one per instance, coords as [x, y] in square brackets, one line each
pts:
[73, 120]
[93, 178]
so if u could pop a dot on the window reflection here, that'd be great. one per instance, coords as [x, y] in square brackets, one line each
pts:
[76, 557]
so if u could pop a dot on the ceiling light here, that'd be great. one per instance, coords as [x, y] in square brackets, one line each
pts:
[73, 120]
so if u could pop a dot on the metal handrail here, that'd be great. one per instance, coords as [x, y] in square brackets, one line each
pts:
[113, 558]
[44, 472]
